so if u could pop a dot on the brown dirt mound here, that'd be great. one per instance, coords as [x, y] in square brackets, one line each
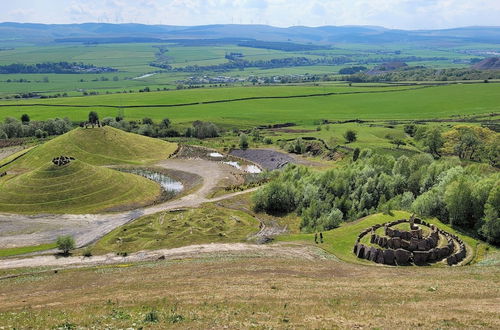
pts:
[492, 63]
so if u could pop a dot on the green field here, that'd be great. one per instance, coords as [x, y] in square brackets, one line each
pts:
[372, 103]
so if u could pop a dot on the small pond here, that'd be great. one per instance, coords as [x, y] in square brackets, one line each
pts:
[166, 182]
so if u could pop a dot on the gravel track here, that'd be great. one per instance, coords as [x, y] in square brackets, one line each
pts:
[192, 251]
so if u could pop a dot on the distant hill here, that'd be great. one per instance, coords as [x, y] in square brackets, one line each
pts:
[325, 35]
[492, 63]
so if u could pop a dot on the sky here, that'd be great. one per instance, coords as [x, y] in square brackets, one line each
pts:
[401, 14]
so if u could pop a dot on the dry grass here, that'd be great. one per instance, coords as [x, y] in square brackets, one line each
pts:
[247, 291]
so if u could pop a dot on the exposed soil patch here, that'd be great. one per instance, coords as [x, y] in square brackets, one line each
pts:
[266, 158]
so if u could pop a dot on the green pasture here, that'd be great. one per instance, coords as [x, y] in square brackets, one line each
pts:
[372, 103]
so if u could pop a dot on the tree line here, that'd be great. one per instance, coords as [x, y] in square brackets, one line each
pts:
[467, 197]
[425, 74]
[53, 67]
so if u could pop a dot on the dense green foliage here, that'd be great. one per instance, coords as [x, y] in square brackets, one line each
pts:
[59, 67]
[13, 128]
[426, 74]
[466, 197]
[65, 244]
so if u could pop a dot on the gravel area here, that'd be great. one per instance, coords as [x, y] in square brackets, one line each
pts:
[266, 158]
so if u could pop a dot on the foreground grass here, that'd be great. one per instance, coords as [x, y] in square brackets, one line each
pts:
[245, 292]
[340, 241]
[207, 224]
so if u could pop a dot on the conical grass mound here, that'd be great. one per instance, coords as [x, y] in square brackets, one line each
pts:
[75, 188]
[98, 146]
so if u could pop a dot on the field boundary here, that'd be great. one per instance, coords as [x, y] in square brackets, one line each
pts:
[252, 98]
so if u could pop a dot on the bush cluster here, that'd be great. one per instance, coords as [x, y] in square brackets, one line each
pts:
[466, 197]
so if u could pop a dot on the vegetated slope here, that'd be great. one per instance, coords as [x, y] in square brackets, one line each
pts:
[98, 146]
[492, 63]
[207, 224]
[77, 187]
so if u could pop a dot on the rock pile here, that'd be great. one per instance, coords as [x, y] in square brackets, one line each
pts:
[398, 247]
[62, 160]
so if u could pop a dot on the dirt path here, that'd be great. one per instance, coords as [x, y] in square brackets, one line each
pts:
[192, 251]
[21, 230]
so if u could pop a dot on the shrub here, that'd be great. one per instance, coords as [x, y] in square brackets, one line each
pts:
[275, 198]
[350, 136]
[65, 244]
[243, 141]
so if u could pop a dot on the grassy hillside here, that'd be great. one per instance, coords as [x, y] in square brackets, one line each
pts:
[98, 146]
[207, 224]
[74, 188]
[369, 103]
[340, 241]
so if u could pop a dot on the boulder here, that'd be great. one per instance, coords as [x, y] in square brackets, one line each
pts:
[402, 257]
[396, 233]
[443, 252]
[413, 244]
[405, 245]
[389, 257]
[432, 255]
[355, 249]
[422, 245]
[360, 251]
[373, 254]
[420, 257]
[372, 238]
[451, 260]
[367, 253]
[380, 257]
[396, 242]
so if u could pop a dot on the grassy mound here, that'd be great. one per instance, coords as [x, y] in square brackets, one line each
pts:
[98, 146]
[207, 224]
[74, 188]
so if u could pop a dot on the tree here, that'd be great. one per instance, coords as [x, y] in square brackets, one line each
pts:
[65, 244]
[165, 123]
[434, 141]
[147, 121]
[398, 142]
[410, 129]
[350, 136]
[93, 118]
[25, 118]
[458, 201]
[355, 154]
[243, 142]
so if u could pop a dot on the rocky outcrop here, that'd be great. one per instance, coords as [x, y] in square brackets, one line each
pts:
[399, 247]
[62, 160]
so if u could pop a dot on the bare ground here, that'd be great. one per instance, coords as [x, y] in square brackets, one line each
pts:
[191, 251]
[24, 230]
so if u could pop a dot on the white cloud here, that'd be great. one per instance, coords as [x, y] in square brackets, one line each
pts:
[408, 14]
